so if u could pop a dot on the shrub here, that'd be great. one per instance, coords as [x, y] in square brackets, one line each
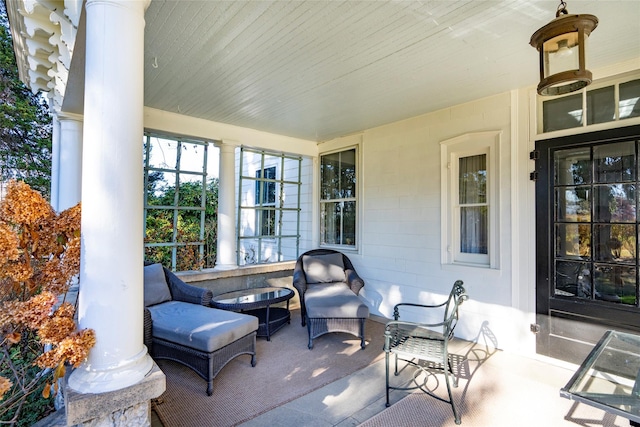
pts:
[38, 331]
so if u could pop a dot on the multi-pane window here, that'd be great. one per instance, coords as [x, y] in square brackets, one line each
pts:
[180, 203]
[338, 203]
[473, 204]
[268, 207]
[602, 104]
[596, 222]
[470, 199]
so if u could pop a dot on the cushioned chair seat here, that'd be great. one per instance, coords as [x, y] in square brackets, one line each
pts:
[201, 328]
[334, 300]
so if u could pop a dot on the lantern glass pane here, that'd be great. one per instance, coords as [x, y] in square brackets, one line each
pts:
[561, 53]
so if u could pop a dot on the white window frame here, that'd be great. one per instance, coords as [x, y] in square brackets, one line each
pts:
[356, 199]
[176, 169]
[451, 151]
[246, 172]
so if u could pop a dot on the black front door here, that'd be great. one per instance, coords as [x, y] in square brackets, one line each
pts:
[588, 226]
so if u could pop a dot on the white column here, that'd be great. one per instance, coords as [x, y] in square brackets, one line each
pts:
[55, 161]
[111, 268]
[226, 253]
[70, 157]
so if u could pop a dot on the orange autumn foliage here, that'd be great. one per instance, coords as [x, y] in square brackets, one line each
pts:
[41, 259]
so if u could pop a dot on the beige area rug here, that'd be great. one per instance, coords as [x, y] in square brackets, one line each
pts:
[497, 389]
[286, 369]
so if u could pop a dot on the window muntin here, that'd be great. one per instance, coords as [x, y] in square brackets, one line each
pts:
[179, 203]
[269, 207]
[338, 203]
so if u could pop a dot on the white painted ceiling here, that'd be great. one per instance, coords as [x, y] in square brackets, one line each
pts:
[322, 69]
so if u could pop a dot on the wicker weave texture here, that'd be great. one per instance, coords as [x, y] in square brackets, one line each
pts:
[321, 326]
[207, 365]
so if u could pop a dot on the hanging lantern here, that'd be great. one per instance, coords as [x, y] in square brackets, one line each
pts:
[562, 46]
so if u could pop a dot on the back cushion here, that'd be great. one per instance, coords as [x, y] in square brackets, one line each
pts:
[156, 289]
[327, 268]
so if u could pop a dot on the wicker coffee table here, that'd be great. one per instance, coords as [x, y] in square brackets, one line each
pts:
[257, 302]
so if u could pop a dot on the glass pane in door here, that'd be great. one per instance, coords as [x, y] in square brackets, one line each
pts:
[615, 202]
[572, 167]
[614, 162]
[573, 279]
[595, 224]
[573, 241]
[615, 283]
[615, 242]
[573, 204]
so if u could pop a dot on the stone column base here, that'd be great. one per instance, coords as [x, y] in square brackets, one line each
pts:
[127, 407]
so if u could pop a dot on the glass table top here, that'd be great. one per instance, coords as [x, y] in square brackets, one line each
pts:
[609, 377]
[255, 295]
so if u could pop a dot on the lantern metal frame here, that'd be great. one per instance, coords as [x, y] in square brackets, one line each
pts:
[569, 80]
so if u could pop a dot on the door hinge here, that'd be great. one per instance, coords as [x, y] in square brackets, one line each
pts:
[534, 155]
[535, 328]
[533, 176]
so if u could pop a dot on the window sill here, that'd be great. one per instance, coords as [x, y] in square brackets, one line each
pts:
[459, 266]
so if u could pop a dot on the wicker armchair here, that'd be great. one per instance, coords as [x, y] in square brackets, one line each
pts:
[425, 345]
[183, 328]
[328, 285]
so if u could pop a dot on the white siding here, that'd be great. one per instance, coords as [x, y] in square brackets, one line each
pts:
[399, 255]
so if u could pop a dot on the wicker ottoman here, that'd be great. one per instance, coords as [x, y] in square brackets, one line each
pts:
[334, 308]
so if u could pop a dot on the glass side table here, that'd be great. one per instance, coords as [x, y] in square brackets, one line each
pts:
[608, 378]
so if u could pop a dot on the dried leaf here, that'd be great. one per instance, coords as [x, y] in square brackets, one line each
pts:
[59, 372]
[5, 386]
[46, 392]
[13, 337]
